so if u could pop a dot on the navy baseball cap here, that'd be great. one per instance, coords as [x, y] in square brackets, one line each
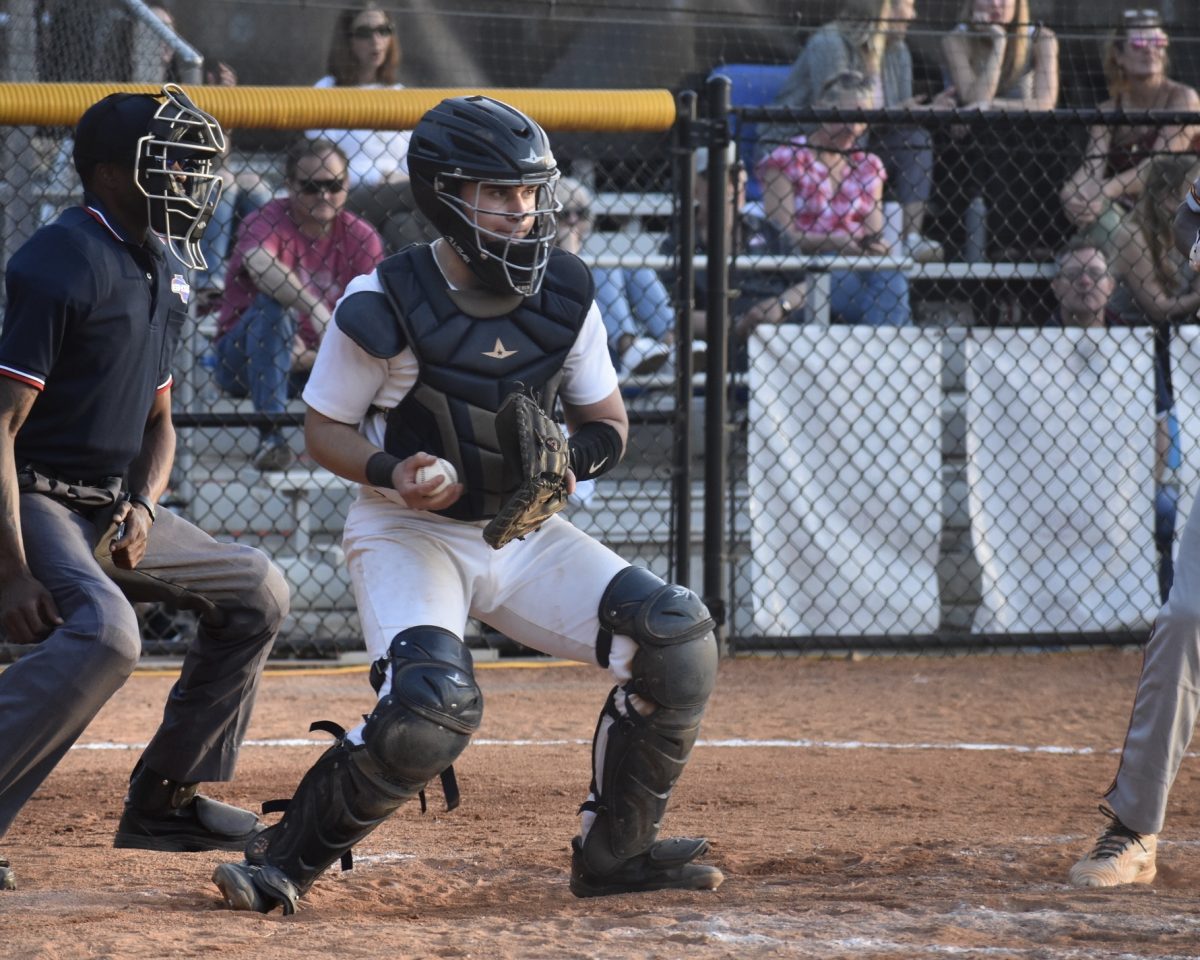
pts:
[109, 130]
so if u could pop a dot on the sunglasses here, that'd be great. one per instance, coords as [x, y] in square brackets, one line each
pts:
[313, 187]
[1146, 43]
[574, 214]
[366, 33]
[1145, 13]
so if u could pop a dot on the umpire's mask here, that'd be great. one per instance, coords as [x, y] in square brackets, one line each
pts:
[175, 172]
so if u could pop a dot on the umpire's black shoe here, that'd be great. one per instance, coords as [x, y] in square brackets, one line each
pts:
[8, 879]
[667, 865]
[161, 814]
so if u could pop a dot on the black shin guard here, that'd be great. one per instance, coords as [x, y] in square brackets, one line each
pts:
[639, 757]
[342, 798]
[415, 732]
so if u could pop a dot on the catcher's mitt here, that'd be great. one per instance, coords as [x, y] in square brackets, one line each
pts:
[535, 450]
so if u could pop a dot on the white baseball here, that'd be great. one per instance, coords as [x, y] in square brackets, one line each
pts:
[443, 469]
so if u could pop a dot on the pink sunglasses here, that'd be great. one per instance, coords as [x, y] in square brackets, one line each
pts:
[1145, 43]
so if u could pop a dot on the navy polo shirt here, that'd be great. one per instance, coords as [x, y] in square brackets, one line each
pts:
[92, 323]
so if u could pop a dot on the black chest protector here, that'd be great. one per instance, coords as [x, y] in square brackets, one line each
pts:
[468, 365]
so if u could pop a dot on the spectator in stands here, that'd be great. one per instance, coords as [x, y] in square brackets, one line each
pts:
[637, 310]
[1082, 286]
[869, 36]
[1116, 159]
[1087, 294]
[759, 297]
[365, 53]
[827, 196]
[1156, 284]
[996, 60]
[290, 264]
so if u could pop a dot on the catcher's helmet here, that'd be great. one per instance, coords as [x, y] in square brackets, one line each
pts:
[480, 140]
[172, 144]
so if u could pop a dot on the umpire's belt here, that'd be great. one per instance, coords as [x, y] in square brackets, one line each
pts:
[82, 494]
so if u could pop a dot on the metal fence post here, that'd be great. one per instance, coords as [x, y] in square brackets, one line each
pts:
[716, 441]
[683, 153]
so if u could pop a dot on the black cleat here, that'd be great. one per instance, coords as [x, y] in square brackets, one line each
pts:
[667, 865]
[246, 886]
[199, 824]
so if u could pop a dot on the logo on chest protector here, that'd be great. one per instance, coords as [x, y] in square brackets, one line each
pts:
[498, 352]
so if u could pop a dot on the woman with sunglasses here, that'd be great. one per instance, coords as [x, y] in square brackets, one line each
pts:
[365, 52]
[1111, 177]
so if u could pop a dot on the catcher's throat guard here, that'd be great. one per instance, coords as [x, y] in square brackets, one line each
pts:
[536, 457]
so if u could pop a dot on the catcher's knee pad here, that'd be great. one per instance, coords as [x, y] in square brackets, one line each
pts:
[426, 718]
[676, 662]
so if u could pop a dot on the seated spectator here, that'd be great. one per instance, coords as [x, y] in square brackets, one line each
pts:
[1111, 177]
[365, 53]
[1082, 287]
[870, 37]
[1155, 282]
[997, 60]
[292, 259]
[241, 196]
[758, 296]
[636, 307]
[827, 196]
[1086, 294]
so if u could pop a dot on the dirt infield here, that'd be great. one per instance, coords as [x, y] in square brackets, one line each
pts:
[876, 808]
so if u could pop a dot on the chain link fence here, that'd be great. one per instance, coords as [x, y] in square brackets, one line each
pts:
[923, 441]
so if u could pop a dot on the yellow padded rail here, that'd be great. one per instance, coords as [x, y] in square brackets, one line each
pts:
[304, 108]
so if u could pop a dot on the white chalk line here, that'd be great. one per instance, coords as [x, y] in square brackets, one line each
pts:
[734, 744]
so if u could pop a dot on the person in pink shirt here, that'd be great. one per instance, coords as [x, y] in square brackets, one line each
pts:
[827, 196]
[292, 260]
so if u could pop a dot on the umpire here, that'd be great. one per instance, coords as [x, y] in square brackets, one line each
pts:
[96, 302]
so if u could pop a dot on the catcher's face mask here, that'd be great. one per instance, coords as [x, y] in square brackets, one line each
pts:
[466, 142]
[175, 173]
[506, 259]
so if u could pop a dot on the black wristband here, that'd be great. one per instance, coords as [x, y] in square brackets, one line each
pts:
[595, 449]
[379, 469]
[144, 501]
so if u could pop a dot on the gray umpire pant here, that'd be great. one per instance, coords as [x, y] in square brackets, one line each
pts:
[1167, 699]
[50, 695]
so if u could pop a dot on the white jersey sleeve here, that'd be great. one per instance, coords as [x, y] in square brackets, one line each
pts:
[588, 372]
[347, 382]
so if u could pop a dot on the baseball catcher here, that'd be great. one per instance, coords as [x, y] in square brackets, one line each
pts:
[460, 350]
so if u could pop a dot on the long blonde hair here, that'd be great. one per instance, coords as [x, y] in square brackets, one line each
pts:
[863, 24]
[1016, 49]
[1166, 181]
